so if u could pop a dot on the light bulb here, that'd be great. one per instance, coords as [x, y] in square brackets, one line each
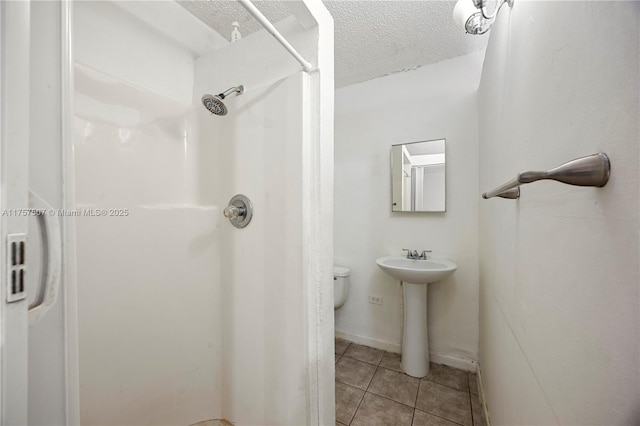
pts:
[469, 17]
[462, 11]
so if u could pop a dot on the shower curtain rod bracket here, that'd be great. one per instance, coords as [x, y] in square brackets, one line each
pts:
[306, 65]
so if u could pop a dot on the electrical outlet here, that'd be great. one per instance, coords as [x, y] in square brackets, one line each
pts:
[376, 300]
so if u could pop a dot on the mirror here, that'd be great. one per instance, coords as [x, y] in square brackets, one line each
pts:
[418, 176]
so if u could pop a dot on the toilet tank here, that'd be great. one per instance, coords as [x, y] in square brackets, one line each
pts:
[340, 285]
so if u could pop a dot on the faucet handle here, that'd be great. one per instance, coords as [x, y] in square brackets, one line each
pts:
[409, 253]
[424, 254]
[231, 212]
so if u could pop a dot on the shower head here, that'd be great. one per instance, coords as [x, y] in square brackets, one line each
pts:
[214, 104]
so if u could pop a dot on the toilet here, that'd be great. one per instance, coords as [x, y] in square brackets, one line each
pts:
[340, 285]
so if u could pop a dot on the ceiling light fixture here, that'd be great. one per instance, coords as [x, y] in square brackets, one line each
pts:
[472, 15]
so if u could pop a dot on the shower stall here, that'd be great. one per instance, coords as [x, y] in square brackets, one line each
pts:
[167, 313]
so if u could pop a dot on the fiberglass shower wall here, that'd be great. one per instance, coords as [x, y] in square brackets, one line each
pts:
[148, 272]
[257, 150]
[183, 318]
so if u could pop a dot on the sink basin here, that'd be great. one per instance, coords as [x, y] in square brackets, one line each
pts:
[417, 271]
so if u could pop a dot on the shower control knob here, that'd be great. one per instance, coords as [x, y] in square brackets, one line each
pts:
[232, 212]
[239, 211]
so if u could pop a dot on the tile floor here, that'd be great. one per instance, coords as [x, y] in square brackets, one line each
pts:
[371, 390]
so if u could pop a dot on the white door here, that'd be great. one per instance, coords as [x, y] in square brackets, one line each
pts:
[32, 350]
[14, 143]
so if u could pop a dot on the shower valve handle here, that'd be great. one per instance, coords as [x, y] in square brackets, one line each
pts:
[239, 211]
[231, 212]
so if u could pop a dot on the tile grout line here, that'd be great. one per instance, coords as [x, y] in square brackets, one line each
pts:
[389, 399]
[358, 407]
[336, 363]
[416, 400]
[374, 375]
[443, 418]
[434, 414]
[470, 402]
[446, 386]
[356, 359]
[392, 400]
[359, 404]
[366, 390]
[378, 366]
[415, 403]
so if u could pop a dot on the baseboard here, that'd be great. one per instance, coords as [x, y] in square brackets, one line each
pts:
[483, 400]
[454, 361]
[368, 341]
[445, 359]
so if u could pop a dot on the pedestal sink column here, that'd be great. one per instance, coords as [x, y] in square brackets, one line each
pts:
[415, 274]
[415, 341]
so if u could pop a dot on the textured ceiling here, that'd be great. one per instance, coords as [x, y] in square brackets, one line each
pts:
[372, 38]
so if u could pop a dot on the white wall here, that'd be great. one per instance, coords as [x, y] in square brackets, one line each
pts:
[559, 267]
[108, 38]
[433, 102]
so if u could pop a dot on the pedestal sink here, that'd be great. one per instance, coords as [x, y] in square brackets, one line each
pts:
[415, 275]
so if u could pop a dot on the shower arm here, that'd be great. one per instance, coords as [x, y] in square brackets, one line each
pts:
[239, 90]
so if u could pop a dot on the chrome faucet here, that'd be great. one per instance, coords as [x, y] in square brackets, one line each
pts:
[413, 254]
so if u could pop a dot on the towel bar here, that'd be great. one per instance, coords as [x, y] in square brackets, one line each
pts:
[592, 170]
